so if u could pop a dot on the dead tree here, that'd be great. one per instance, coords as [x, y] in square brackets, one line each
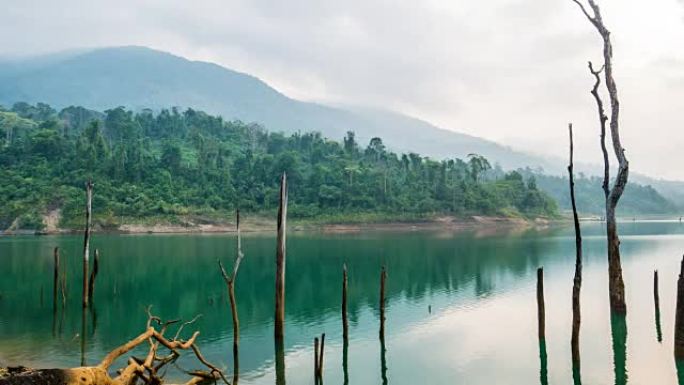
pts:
[577, 281]
[86, 239]
[147, 370]
[230, 282]
[279, 323]
[612, 194]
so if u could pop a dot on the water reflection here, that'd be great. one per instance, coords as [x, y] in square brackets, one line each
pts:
[543, 363]
[471, 283]
[618, 328]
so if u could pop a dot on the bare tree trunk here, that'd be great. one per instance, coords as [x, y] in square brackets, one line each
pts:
[279, 323]
[540, 304]
[86, 240]
[616, 284]
[577, 281]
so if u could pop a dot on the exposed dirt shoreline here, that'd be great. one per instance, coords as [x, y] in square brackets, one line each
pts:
[440, 223]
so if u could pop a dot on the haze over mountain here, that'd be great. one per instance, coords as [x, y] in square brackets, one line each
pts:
[138, 77]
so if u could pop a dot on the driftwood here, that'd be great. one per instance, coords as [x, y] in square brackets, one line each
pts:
[279, 323]
[86, 240]
[145, 370]
[615, 282]
[577, 281]
[230, 282]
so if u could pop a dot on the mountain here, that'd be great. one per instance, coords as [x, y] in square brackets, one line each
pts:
[138, 77]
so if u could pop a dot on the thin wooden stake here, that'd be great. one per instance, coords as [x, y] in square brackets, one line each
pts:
[316, 358]
[55, 284]
[279, 323]
[86, 239]
[656, 300]
[320, 358]
[540, 303]
[345, 323]
[383, 277]
[679, 316]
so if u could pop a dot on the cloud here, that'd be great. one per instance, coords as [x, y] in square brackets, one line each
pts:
[509, 70]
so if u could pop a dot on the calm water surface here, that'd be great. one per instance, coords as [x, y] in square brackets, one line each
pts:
[479, 286]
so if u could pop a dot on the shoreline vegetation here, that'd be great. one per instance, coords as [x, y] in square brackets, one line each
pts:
[185, 171]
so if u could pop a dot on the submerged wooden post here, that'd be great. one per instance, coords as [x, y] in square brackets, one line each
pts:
[320, 358]
[577, 281]
[679, 316]
[55, 283]
[316, 359]
[383, 277]
[540, 303]
[280, 262]
[345, 324]
[86, 239]
[93, 275]
[656, 300]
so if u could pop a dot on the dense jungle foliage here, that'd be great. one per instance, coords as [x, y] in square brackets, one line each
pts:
[173, 163]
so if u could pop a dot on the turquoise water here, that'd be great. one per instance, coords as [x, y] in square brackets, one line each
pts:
[461, 307]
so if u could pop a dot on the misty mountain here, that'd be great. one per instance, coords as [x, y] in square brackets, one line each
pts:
[138, 77]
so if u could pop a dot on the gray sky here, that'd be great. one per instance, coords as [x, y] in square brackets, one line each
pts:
[509, 70]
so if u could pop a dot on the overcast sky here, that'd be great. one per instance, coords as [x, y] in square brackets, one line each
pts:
[513, 71]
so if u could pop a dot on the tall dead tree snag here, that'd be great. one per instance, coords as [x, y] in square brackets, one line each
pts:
[577, 281]
[86, 240]
[613, 194]
[679, 316]
[230, 282]
[279, 323]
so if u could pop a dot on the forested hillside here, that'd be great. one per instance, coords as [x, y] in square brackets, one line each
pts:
[139, 77]
[173, 163]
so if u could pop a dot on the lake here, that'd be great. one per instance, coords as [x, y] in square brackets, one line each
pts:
[461, 307]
